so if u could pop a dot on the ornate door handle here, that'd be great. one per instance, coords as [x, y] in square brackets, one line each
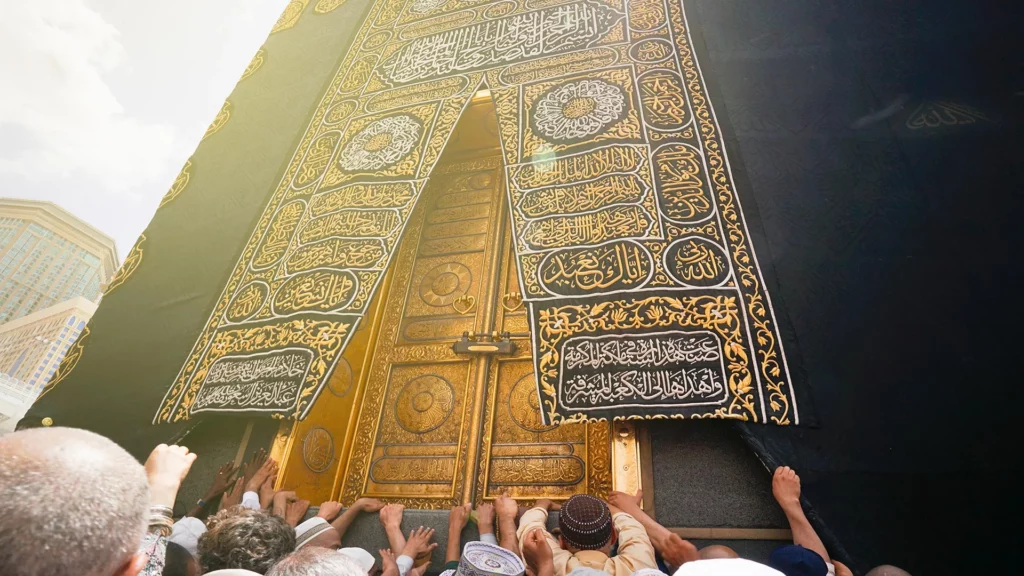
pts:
[464, 304]
[512, 301]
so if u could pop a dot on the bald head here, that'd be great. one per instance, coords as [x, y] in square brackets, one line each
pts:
[887, 570]
[71, 503]
[717, 551]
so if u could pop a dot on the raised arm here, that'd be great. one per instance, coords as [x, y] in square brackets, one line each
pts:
[672, 548]
[786, 489]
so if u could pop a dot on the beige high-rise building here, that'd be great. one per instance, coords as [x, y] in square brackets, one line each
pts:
[32, 346]
[48, 256]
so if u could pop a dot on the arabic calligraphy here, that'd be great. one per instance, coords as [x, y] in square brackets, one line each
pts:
[614, 266]
[608, 224]
[350, 224]
[336, 253]
[606, 190]
[608, 389]
[323, 290]
[680, 187]
[317, 159]
[675, 368]
[661, 92]
[494, 42]
[695, 261]
[391, 195]
[279, 235]
[248, 300]
[267, 380]
[577, 167]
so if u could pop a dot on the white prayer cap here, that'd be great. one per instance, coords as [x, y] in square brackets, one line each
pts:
[361, 557]
[232, 572]
[726, 567]
[310, 529]
[483, 559]
[186, 533]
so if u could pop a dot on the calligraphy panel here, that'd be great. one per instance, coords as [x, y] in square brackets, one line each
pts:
[625, 221]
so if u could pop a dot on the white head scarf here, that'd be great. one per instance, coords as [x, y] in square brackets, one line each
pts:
[726, 567]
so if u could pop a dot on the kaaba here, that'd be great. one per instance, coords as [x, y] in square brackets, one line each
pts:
[434, 251]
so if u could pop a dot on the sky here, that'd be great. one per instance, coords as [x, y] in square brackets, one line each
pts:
[102, 101]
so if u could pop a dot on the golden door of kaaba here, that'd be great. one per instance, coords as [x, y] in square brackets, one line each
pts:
[407, 419]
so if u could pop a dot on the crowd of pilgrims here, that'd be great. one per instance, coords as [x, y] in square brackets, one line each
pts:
[75, 503]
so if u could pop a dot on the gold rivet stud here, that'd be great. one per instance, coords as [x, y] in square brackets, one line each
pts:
[47, 421]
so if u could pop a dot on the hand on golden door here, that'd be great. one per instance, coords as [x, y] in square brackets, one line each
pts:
[266, 470]
[485, 517]
[368, 504]
[506, 507]
[267, 492]
[295, 511]
[391, 515]
[329, 510]
[458, 518]
[281, 501]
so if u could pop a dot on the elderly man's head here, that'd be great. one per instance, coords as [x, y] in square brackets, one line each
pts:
[315, 561]
[71, 503]
[247, 539]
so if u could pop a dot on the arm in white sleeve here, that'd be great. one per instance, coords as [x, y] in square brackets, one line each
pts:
[404, 564]
[251, 500]
[489, 538]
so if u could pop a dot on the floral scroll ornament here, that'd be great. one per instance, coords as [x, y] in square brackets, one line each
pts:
[131, 263]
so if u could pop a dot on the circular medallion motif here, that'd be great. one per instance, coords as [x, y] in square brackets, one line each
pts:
[380, 144]
[696, 261]
[443, 284]
[578, 110]
[424, 404]
[524, 405]
[318, 450]
[341, 381]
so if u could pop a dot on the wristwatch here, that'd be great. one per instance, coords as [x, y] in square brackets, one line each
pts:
[201, 503]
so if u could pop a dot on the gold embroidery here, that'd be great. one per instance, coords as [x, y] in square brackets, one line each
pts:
[219, 121]
[178, 185]
[128, 267]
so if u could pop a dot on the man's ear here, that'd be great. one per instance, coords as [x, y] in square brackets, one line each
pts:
[134, 565]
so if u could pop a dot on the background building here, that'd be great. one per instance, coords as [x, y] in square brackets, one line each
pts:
[32, 346]
[48, 256]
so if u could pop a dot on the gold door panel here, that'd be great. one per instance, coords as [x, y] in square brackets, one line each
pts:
[428, 427]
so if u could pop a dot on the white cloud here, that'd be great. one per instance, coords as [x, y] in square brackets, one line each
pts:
[59, 118]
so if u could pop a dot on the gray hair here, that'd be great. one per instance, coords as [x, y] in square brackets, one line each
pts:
[313, 561]
[72, 503]
[247, 539]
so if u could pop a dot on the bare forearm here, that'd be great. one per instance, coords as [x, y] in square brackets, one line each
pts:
[454, 550]
[509, 541]
[345, 519]
[658, 534]
[395, 538]
[803, 532]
